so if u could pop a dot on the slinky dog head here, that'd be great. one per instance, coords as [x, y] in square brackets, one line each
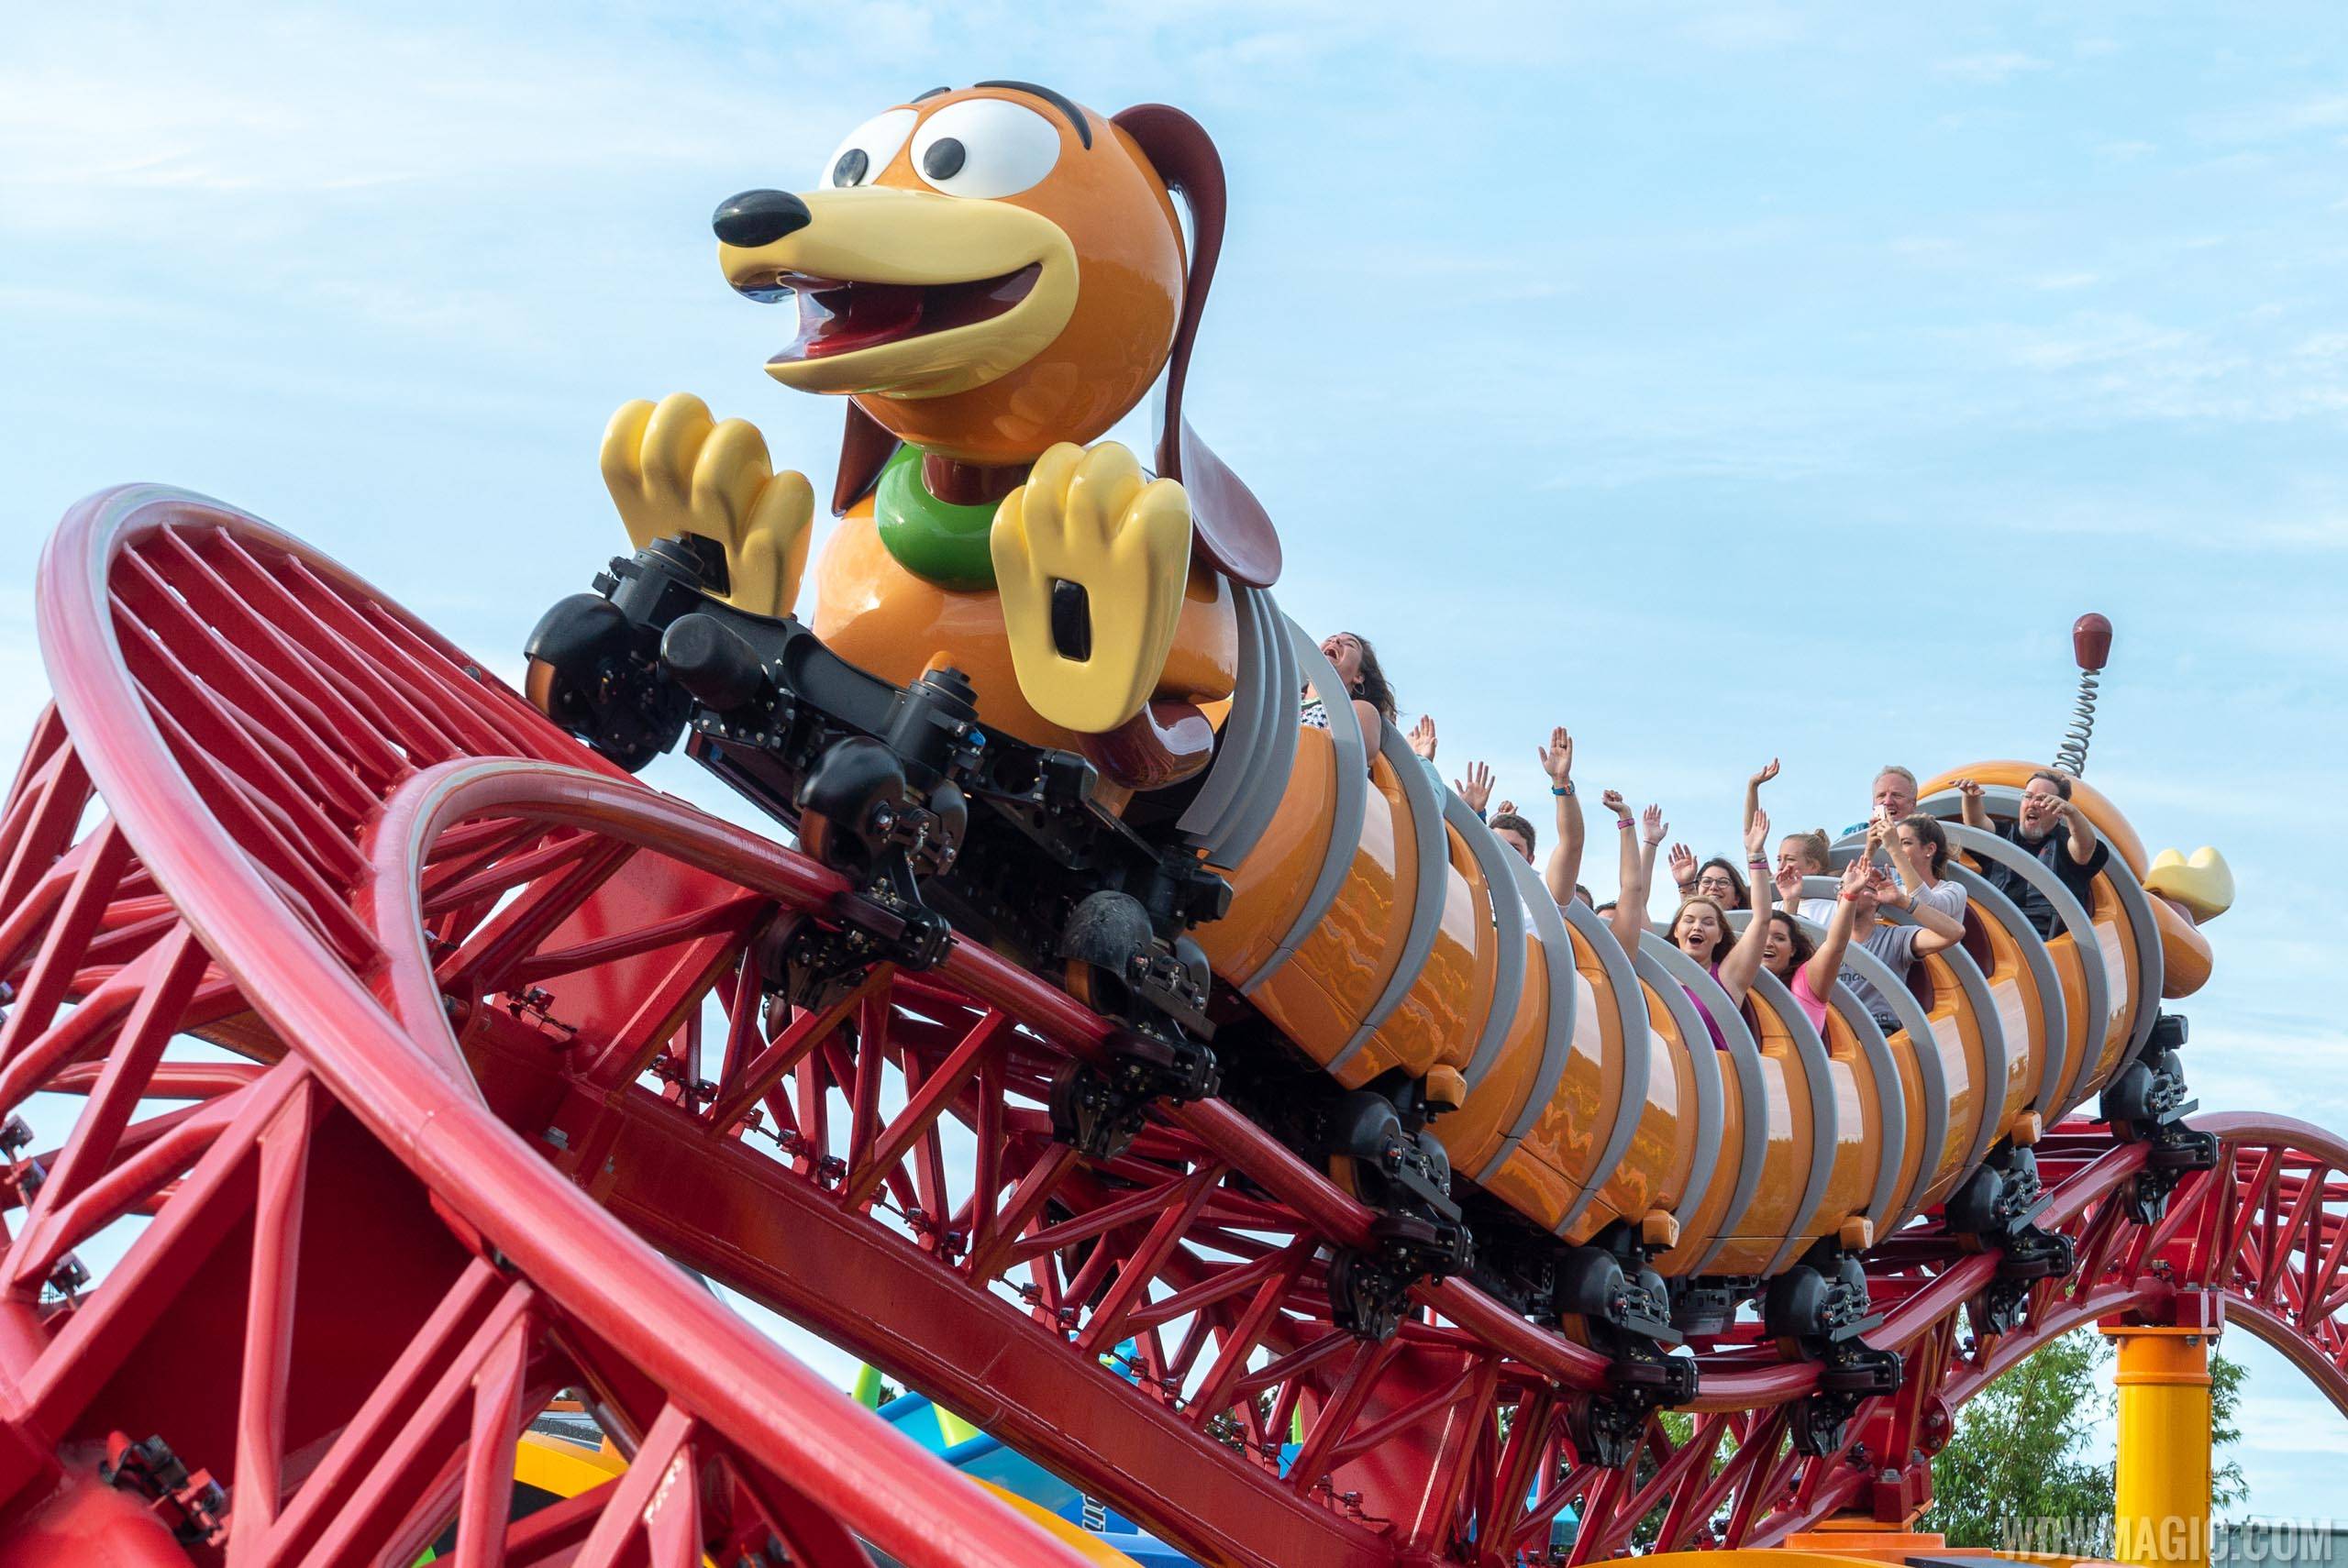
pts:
[989, 271]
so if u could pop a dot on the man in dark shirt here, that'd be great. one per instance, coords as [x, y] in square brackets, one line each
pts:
[2054, 831]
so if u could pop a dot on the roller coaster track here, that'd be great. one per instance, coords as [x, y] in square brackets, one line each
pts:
[487, 1046]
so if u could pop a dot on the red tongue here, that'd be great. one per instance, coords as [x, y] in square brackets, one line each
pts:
[875, 313]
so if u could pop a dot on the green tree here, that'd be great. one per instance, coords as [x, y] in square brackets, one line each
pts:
[1678, 1426]
[2026, 1447]
[2228, 1485]
[2032, 1446]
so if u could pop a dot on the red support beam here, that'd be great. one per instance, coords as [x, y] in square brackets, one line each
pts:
[322, 822]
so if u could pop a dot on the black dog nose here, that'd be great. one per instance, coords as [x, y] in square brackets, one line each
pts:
[759, 217]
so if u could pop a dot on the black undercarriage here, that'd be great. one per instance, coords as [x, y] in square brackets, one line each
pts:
[945, 831]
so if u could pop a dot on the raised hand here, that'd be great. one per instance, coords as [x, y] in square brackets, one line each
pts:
[1652, 827]
[1857, 880]
[673, 470]
[1769, 771]
[1612, 801]
[1093, 518]
[1477, 788]
[1422, 736]
[1557, 758]
[1970, 805]
[1789, 881]
[1756, 834]
[1505, 809]
[1683, 865]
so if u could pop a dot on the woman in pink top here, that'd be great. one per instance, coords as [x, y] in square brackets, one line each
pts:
[1810, 969]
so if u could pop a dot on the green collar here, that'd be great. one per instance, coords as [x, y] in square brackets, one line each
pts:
[934, 539]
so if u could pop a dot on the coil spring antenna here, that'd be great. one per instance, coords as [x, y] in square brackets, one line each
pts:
[2091, 645]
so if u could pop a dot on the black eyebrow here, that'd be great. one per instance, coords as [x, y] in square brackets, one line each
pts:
[1075, 115]
[925, 97]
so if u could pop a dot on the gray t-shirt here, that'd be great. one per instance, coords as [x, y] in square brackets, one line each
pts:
[1946, 897]
[1896, 945]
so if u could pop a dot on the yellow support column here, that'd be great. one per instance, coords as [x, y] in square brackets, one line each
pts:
[2161, 1509]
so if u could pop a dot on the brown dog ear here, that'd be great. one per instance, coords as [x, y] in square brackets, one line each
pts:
[1233, 530]
[865, 445]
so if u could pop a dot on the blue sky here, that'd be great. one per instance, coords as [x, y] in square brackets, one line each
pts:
[1725, 380]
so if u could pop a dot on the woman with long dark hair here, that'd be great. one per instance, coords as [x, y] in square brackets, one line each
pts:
[1701, 931]
[1717, 878]
[1917, 847]
[1356, 664]
[1809, 968]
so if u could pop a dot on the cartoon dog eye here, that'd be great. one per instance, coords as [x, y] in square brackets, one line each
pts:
[985, 146]
[860, 157]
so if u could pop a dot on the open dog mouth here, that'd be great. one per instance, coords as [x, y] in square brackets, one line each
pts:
[837, 317]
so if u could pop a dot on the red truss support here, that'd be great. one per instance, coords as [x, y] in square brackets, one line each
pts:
[353, 1285]
[504, 1041]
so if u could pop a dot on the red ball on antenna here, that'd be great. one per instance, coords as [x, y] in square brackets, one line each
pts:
[2091, 640]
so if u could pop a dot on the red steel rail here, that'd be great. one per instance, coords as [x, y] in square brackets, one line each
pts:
[507, 1043]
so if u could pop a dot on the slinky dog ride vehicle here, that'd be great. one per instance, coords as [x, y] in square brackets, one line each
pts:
[1047, 705]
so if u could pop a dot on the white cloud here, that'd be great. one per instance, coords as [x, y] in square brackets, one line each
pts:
[1745, 27]
[104, 117]
[2277, 122]
[2096, 340]
[1928, 250]
[2116, 365]
[1989, 69]
[2130, 517]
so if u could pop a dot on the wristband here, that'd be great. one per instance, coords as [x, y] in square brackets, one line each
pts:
[1625, 823]
[1756, 864]
[1565, 789]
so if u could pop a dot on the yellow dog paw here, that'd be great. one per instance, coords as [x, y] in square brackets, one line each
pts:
[2202, 881]
[1090, 560]
[671, 469]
